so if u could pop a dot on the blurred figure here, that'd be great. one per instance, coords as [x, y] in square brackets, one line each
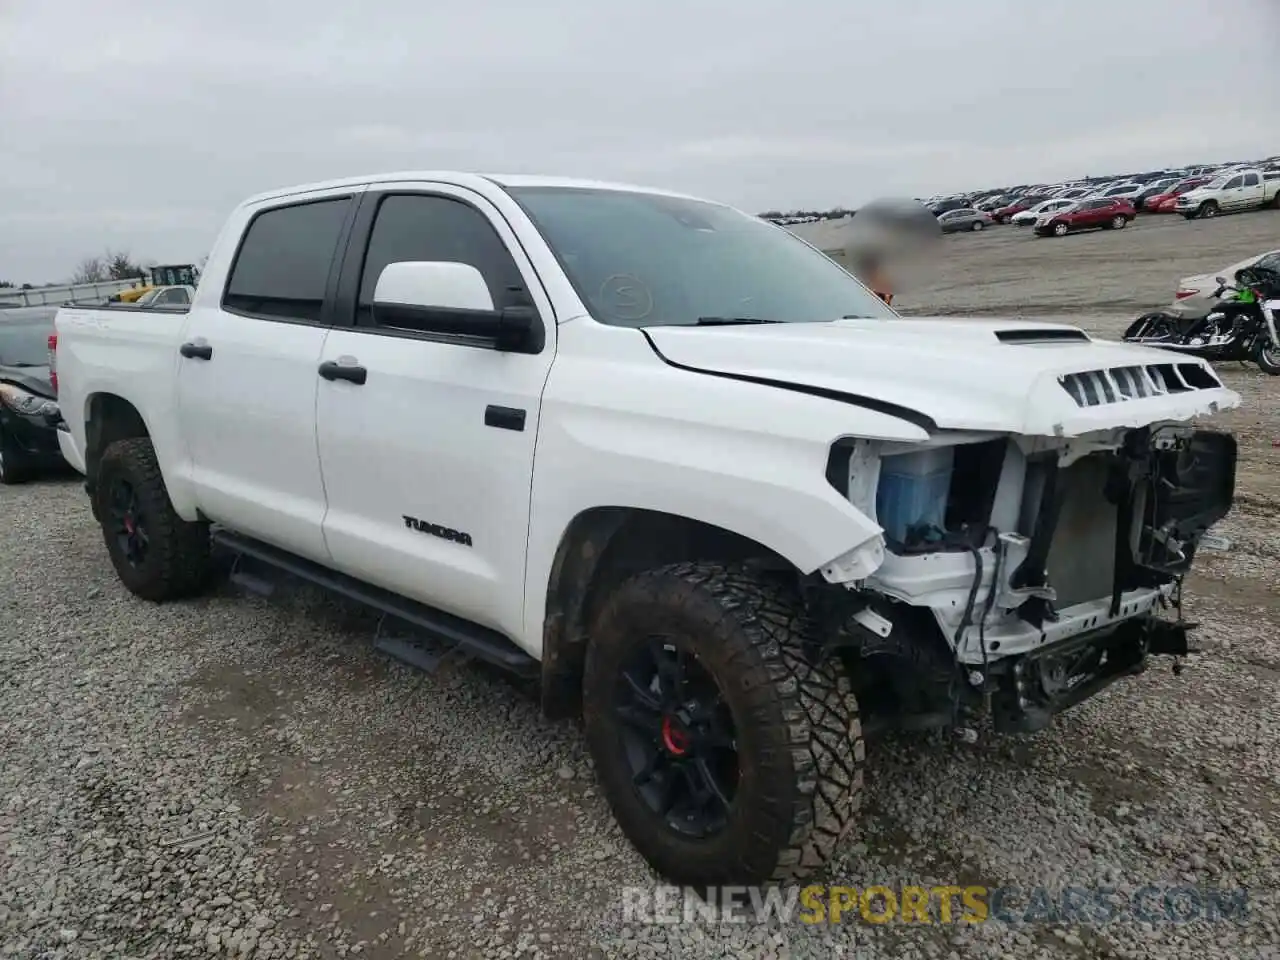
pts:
[870, 270]
[886, 234]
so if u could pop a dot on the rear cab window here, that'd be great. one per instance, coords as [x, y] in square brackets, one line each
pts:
[281, 271]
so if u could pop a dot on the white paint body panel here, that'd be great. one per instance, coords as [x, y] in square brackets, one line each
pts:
[959, 374]
[257, 440]
[413, 441]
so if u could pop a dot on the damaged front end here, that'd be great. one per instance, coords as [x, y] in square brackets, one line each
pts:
[1023, 574]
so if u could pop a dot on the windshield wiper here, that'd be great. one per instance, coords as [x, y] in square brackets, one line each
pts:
[730, 321]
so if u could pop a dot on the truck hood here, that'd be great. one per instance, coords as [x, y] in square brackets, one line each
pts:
[1009, 376]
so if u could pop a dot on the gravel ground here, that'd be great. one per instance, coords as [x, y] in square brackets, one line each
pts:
[235, 776]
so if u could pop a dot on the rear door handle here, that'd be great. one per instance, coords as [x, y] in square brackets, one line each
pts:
[351, 372]
[196, 351]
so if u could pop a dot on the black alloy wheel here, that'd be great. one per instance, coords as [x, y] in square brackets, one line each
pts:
[678, 738]
[127, 522]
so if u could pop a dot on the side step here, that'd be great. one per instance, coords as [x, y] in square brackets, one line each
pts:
[449, 632]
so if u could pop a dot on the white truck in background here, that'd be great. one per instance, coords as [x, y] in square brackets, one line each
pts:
[1233, 192]
[668, 459]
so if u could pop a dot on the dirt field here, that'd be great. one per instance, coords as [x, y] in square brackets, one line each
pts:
[236, 776]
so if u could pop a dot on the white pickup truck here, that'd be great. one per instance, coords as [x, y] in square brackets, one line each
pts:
[670, 460]
[1232, 192]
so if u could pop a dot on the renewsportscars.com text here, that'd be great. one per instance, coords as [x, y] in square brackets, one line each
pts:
[880, 904]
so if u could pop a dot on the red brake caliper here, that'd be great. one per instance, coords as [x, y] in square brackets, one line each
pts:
[673, 738]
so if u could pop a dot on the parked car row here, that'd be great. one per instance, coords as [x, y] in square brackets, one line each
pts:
[1195, 192]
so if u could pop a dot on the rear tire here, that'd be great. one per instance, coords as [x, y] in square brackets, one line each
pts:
[787, 737]
[1119, 223]
[157, 555]
[977, 225]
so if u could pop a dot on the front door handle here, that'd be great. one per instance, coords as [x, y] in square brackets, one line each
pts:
[196, 351]
[352, 373]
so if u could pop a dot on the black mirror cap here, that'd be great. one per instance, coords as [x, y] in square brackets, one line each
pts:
[511, 330]
[520, 330]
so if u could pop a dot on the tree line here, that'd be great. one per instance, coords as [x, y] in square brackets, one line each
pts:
[113, 265]
[837, 213]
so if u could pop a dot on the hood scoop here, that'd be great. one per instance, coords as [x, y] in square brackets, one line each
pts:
[1042, 335]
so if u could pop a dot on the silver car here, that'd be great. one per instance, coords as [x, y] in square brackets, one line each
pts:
[966, 219]
[1194, 296]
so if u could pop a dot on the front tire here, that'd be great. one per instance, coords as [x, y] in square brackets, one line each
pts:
[1061, 229]
[157, 555]
[11, 472]
[1267, 357]
[1208, 210]
[725, 752]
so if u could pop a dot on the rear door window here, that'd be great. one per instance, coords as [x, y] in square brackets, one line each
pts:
[282, 268]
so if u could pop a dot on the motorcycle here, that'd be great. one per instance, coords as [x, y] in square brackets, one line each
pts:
[1242, 327]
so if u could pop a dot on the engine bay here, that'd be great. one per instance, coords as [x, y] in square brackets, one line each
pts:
[1025, 573]
[992, 530]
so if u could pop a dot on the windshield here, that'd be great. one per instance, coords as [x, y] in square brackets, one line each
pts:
[1216, 183]
[23, 343]
[643, 259]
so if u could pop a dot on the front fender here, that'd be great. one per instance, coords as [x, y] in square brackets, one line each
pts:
[744, 457]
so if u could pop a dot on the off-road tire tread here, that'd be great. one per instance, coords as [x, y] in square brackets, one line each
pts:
[821, 728]
[184, 562]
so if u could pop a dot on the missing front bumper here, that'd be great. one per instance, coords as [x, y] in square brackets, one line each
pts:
[1030, 689]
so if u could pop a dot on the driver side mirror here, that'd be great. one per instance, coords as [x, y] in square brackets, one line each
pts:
[1221, 280]
[452, 300]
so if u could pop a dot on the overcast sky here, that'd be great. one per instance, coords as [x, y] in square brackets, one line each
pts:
[138, 124]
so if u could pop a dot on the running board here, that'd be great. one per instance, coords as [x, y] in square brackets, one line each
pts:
[449, 632]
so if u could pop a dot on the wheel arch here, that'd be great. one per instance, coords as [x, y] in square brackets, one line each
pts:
[108, 417]
[603, 546]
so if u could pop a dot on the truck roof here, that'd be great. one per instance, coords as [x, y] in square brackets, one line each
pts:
[458, 178]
